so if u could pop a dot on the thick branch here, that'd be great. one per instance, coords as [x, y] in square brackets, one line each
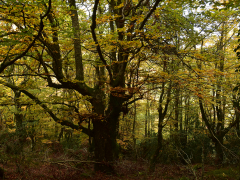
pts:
[76, 41]
[49, 111]
[8, 33]
[168, 99]
[204, 118]
[93, 26]
[54, 49]
[149, 14]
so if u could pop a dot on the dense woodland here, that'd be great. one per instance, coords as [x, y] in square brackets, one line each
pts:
[119, 89]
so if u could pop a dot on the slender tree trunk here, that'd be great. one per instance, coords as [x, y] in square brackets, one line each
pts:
[18, 115]
[1, 121]
[159, 144]
[56, 131]
[186, 120]
[176, 120]
[60, 136]
[219, 151]
[146, 119]
[134, 124]
[149, 123]
[180, 114]
[176, 110]
[161, 115]
[19, 120]
[237, 119]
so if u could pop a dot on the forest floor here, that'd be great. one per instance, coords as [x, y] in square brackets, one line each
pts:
[59, 166]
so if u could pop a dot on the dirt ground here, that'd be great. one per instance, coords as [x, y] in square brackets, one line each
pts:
[61, 167]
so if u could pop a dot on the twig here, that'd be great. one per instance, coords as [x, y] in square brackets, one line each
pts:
[79, 161]
[188, 161]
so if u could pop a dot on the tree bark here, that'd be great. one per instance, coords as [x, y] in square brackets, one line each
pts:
[218, 148]
[105, 134]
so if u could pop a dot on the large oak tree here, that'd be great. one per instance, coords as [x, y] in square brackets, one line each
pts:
[38, 31]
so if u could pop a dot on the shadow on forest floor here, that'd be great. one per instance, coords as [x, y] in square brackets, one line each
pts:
[60, 166]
